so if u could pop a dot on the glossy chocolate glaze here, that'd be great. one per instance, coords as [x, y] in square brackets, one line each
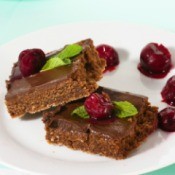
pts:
[42, 78]
[117, 129]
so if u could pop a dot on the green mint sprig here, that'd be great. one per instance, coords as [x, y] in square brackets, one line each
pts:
[125, 109]
[62, 58]
[81, 112]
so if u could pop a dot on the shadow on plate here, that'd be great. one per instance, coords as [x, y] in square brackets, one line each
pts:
[35, 116]
[152, 141]
[172, 51]
[31, 116]
[150, 83]
[123, 54]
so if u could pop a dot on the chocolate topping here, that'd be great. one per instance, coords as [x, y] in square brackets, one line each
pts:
[117, 129]
[42, 78]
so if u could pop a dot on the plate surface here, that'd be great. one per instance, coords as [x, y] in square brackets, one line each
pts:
[22, 143]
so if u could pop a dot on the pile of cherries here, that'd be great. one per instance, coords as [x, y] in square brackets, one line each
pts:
[155, 62]
[167, 116]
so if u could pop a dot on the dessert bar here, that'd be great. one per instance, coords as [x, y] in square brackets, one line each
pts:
[111, 138]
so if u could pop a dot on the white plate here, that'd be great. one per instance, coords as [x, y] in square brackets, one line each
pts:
[22, 141]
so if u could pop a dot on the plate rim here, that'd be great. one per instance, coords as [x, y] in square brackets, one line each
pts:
[81, 23]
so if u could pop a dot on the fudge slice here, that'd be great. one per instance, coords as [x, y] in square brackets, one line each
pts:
[115, 139]
[57, 86]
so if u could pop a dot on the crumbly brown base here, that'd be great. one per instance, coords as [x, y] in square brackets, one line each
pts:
[95, 143]
[89, 69]
[58, 94]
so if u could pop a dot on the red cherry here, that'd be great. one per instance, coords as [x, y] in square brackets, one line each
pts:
[155, 60]
[168, 92]
[166, 119]
[109, 54]
[98, 106]
[31, 61]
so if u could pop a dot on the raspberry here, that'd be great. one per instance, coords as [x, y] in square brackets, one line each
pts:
[167, 119]
[155, 60]
[98, 106]
[109, 54]
[31, 61]
[168, 92]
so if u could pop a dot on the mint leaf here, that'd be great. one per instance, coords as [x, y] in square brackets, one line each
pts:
[81, 112]
[70, 51]
[55, 62]
[125, 109]
[62, 58]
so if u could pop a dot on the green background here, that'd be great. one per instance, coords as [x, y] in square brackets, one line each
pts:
[18, 17]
